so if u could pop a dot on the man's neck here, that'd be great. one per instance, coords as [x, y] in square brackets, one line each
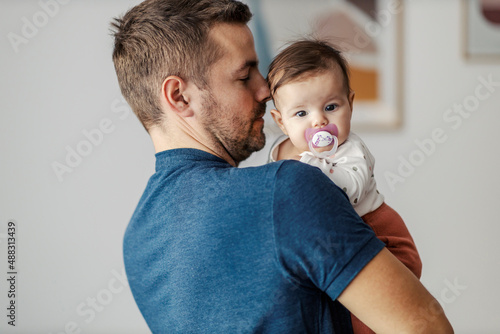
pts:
[185, 137]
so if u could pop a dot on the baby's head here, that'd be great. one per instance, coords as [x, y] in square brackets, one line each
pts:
[309, 84]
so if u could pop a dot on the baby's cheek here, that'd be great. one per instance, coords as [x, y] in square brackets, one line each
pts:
[299, 142]
[342, 137]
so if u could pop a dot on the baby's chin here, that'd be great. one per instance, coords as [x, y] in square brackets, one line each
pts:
[305, 148]
[324, 148]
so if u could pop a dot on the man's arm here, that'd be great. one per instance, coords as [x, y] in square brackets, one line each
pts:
[388, 298]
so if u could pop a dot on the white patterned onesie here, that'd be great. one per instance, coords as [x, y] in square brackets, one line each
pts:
[351, 169]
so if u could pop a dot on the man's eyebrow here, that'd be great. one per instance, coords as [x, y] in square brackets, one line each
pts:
[248, 64]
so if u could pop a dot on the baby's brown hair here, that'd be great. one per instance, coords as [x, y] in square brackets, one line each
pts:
[305, 57]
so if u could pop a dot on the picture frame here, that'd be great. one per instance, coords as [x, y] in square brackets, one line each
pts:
[369, 34]
[481, 30]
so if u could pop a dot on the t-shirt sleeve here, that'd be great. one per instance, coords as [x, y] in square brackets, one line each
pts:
[320, 240]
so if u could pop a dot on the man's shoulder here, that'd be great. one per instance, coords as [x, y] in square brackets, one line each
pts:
[300, 181]
[273, 169]
[296, 171]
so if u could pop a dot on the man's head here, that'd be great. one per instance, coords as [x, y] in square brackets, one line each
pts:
[162, 38]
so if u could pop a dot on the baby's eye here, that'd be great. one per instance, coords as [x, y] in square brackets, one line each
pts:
[331, 107]
[301, 113]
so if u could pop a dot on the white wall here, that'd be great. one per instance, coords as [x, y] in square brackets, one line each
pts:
[61, 84]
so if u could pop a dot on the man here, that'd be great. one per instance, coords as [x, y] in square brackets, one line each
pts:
[217, 249]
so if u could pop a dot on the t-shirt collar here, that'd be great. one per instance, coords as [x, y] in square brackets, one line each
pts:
[166, 158]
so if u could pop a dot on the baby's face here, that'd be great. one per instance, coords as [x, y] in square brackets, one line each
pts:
[313, 102]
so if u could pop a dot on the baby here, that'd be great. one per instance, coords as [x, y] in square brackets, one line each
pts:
[309, 84]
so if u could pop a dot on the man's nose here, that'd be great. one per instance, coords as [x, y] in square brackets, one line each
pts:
[262, 93]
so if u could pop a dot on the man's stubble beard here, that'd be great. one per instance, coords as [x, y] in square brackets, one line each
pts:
[238, 137]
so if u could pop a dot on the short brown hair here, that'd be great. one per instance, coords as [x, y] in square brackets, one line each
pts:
[305, 57]
[159, 38]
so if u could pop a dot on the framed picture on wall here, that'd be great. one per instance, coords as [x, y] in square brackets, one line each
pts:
[481, 29]
[369, 33]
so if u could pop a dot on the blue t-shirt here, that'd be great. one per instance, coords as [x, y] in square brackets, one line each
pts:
[217, 249]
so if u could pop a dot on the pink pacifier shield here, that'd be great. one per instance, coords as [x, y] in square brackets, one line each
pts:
[322, 137]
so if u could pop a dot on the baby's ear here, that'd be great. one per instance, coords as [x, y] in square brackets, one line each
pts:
[351, 99]
[279, 120]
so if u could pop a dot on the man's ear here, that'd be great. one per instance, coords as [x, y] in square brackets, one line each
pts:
[279, 120]
[173, 93]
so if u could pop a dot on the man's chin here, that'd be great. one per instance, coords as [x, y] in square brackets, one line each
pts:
[256, 144]
[260, 141]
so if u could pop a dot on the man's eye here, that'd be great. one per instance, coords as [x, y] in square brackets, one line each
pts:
[245, 79]
[301, 113]
[331, 107]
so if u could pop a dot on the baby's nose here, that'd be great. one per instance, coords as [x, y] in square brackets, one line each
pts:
[319, 120]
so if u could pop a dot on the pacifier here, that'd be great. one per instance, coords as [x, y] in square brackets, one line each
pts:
[323, 137]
